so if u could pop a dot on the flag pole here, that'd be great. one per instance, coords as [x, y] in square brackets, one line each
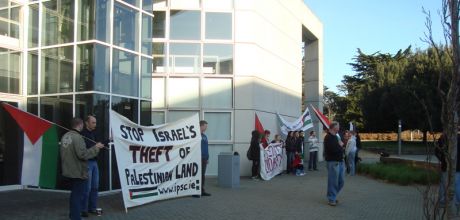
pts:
[4, 103]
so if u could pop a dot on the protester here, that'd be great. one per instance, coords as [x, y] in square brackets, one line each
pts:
[314, 147]
[334, 157]
[254, 150]
[204, 155]
[290, 151]
[440, 152]
[358, 147]
[74, 159]
[89, 200]
[265, 138]
[350, 151]
[297, 164]
[278, 140]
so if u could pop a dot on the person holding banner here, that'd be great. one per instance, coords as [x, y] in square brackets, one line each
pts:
[254, 149]
[313, 141]
[74, 157]
[334, 151]
[204, 155]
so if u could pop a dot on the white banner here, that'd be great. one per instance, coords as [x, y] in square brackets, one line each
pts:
[159, 162]
[303, 123]
[271, 160]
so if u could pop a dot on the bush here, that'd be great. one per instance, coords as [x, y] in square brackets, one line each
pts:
[399, 173]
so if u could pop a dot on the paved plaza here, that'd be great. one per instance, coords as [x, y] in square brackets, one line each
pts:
[284, 197]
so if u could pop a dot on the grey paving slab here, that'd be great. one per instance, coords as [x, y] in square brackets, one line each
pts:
[284, 197]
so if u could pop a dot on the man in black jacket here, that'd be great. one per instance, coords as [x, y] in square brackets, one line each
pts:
[333, 152]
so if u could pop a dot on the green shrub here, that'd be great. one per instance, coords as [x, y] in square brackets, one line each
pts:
[399, 173]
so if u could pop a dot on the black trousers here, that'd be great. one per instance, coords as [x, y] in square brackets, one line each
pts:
[255, 167]
[204, 164]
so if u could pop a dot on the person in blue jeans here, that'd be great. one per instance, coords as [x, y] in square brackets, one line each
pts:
[333, 152]
[74, 156]
[89, 200]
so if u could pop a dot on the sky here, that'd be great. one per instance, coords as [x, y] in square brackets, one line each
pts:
[384, 26]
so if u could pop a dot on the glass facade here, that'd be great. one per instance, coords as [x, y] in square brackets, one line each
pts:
[156, 61]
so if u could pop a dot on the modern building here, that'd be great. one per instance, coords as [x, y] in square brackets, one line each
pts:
[157, 61]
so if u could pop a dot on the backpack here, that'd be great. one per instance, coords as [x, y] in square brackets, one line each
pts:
[249, 153]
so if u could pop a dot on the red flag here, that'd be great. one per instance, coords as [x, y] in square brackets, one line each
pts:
[259, 126]
[33, 126]
[323, 119]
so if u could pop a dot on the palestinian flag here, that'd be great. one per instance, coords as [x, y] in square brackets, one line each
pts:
[259, 126]
[41, 148]
[323, 119]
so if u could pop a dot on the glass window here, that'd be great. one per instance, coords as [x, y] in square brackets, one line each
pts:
[57, 25]
[125, 67]
[57, 109]
[217, 93]
[146, 113]
[218, 25]
[185, 25]
[94, 104]
[183, 92]
[159, 24]
[93, 22]
[218, 58]
[158, 92]
[92, 68]
[10, 71]
[158, 118]
[133, 2]
[159, 57]
[160, 4]
[146, 74]
[56, 70]
[177, 115]
[146, 34]
[125, 28]
[33, 25]
[32, 73]
[147, 5]
[184, 58]
[126, 107]
[185, 3]
[9, 19]
[221, 4]
[32, 105]
[219, 125]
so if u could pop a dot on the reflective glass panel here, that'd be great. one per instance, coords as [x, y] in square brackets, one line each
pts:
[159, 24]
[126, 107]
[218, 25]
[56, 70]
[184, 58]
[147, 5]
[32, 73]
[32, 105]
[146, 74]
[177, 115]
[125, 28]
[92, 68]
[57, 22]
[159, 57]
[146, 34]
[33, 25]
[93, 22]
[146, 113]
[9, 19]
[10, 71]
[133, 2]
[158, 118]
[185, 25]
[125, 79]
[218, 59]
